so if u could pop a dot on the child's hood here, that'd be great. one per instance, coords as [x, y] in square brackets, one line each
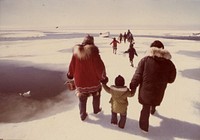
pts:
[119, 91]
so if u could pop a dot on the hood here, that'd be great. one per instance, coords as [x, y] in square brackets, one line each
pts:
[159, 52]
[83, 52]
[119, 90]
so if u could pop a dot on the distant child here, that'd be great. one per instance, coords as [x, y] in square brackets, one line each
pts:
[114, 42]
[131, 52]
[119, 101]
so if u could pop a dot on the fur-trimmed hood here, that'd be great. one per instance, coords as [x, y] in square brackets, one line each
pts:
[83, 52]
[119, 91]
[158, 52]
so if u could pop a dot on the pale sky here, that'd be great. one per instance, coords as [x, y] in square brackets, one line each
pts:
[92, 13]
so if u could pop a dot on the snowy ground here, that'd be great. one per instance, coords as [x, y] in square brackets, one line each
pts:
[58, 117]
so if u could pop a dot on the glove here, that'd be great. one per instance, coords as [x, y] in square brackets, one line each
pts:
[131, 86]
[104, 81]
[79, 94]
[69, 77]
[133, 91]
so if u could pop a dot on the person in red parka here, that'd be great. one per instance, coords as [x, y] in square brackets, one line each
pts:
[152, 75]
[114, 42]
[88, 71]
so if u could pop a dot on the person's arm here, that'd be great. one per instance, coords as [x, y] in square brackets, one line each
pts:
[106, 88]
[135, 52]
[172, 73]
[137, 77]
[71, 69]
[99, 66]
[131, 93]
[127, 51]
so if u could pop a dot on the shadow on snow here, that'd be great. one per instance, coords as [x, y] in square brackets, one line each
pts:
[169, 128]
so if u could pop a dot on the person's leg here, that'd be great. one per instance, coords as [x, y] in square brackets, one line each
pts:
[122, 121]
[131, 61]
[96, 102]
[144, 118]
[114, 118]
[82, 107]
[153, 109]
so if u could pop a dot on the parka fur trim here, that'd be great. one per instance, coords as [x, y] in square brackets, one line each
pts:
[83, 52]
[159, 52]
[120, 89]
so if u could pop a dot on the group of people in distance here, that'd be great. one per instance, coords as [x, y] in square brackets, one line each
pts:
[131, 51]
[152, 75]
[127, 36]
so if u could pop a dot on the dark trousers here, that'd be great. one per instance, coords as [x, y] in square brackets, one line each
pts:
[144, 117]
[122, 120]
[95, 102]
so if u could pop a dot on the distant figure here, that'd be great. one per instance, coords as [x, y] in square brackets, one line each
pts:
[120, 37]
[88, 71]
[125, 37]
[119, 101]
[114, 45]
[152, 75]
[130, 38]
[128, 33]
[131, 51]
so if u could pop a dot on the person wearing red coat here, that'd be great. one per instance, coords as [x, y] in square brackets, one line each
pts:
[152, 75]
[114, 45]
[88, 71]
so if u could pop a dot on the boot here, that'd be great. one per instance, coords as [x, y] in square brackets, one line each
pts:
[144, 118]
[153, 110]
[122, 121]
[82, 107]
[96, 102]
[84, 116]
[114, 118]
[132, 64]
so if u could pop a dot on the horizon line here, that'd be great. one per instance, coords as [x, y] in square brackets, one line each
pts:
[110, 27]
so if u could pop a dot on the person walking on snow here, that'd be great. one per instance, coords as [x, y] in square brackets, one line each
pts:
[131, 51]
[152, 75]
[130, 38]
[120, 37]
[119, 101]
[88, 71]
[125, 37]
[114, 45]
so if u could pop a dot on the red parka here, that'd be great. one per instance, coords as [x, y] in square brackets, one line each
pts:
[87, 68]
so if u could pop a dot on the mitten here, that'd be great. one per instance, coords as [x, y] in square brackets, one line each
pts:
[69, 76]
[104, 81]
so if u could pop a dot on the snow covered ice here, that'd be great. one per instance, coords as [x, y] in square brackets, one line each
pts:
[58, 117]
